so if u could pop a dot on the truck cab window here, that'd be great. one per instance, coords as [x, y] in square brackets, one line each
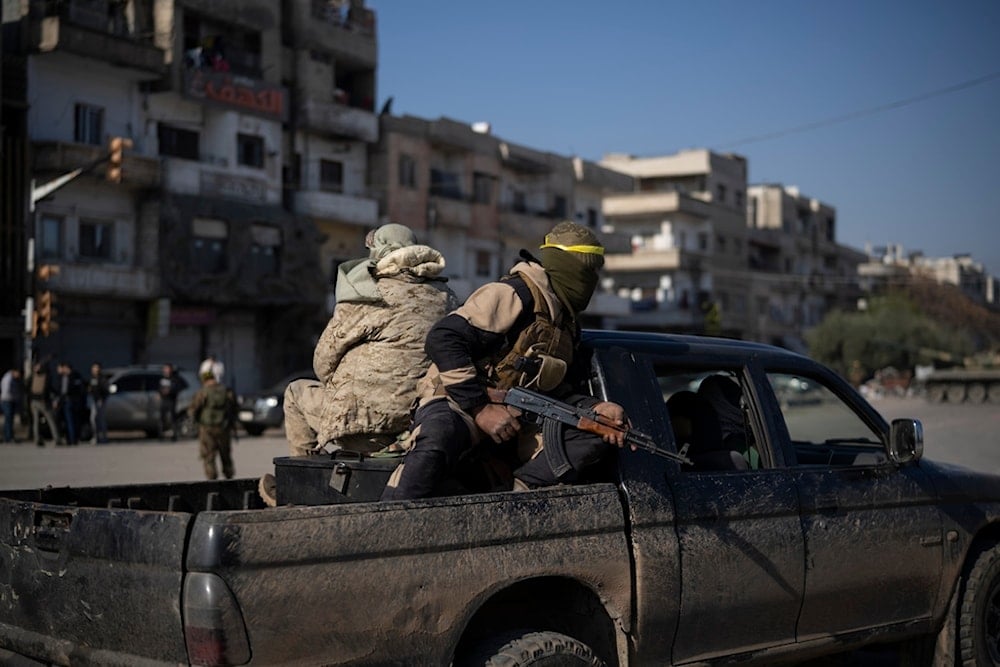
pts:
[710, 416]
[822, 427]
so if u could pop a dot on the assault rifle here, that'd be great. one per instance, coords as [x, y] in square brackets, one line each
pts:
[537, 408]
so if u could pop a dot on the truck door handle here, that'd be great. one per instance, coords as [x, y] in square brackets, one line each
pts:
[50, 530]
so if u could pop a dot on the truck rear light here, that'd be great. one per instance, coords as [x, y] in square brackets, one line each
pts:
[213, 625]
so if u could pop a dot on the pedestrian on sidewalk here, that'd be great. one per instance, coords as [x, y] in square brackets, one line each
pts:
[11, 397]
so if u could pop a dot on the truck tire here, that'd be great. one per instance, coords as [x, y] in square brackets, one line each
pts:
[979, 611]
[994, 393]
[528, 648]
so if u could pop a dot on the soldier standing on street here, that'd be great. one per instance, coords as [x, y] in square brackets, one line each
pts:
[42, 397]
[214, 410]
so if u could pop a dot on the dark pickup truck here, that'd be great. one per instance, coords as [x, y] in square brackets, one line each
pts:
[805, 526]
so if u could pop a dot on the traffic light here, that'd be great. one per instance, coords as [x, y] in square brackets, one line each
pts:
[45, 310]
[47, 271]
[116, 147]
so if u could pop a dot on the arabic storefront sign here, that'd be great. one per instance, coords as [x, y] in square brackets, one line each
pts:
[237, 92]
[217, 184]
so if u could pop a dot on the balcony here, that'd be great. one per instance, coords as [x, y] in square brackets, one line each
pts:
[338, 120]
[670, 259]
[641, 204]
[90, 30]
[347, 35]
[115, 281]
[665, 318]
[56, 157]
[191, 177]
[347, 208]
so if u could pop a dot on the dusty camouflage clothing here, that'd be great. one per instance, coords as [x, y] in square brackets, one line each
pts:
[371, 354]
[213, 408]
[467, 345]
[215, 441]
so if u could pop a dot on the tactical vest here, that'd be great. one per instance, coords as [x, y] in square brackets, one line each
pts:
[543, 341]
[215, 409]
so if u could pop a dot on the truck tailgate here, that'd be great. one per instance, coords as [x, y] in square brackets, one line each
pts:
[75, 577]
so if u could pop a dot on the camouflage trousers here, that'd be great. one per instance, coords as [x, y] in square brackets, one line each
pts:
[303, 413]
[214, 442]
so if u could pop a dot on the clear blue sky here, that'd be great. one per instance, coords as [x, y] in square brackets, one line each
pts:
[653, 77]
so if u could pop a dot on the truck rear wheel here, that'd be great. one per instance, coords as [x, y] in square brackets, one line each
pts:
[534, 649]
[979, 613]
[994, 392]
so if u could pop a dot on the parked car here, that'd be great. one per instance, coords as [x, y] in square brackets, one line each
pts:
[265, 409]
[134, 402]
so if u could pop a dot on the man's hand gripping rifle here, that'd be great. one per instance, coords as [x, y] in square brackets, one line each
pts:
[536, 407]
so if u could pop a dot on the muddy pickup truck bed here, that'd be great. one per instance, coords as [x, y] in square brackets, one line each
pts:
[805, 526]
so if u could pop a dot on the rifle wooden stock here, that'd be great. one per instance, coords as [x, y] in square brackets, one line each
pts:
[584, 419]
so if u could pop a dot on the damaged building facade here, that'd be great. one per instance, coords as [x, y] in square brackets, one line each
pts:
[249, 124]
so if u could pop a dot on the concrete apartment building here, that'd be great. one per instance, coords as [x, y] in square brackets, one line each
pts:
[711, 254]
[250, 122]
[798, 270]
[687, 267]
[480, 199]
[885, 267]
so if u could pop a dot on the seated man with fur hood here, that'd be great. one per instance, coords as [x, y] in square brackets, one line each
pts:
[371, 354]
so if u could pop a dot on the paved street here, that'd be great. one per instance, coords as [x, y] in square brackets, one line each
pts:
[127, 460]
[964, 434]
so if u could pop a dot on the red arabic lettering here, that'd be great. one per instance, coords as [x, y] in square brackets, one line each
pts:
[270, 102]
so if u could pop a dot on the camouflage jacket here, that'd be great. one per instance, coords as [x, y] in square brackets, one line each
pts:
[371, 354]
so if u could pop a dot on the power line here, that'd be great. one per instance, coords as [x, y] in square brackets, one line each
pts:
[863, 112]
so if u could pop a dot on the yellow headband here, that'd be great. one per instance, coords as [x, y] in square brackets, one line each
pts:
[585, 249]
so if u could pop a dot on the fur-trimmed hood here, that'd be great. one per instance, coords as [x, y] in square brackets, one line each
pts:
[357, 280]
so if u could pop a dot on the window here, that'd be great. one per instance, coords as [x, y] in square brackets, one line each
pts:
[519, 203]
[822, 428]
[220, 46]
[559, 207]
[482, 188]
[265, 252]
[703, 241]
[50, 237]
[709, 415]
[592, 218]
[176, 142]
[96, 239]
[721, 190]
[88, 125]
[331, 176]
[483, 264]
[407, 171]
[208, 247]
[739, 198]
[250, 150]
[445, 184]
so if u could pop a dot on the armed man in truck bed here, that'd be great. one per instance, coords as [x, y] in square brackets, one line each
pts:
[522, 330]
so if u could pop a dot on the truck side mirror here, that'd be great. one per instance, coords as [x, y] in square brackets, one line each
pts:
[906, 441]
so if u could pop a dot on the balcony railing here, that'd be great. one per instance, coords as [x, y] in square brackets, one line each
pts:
[93, 29]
